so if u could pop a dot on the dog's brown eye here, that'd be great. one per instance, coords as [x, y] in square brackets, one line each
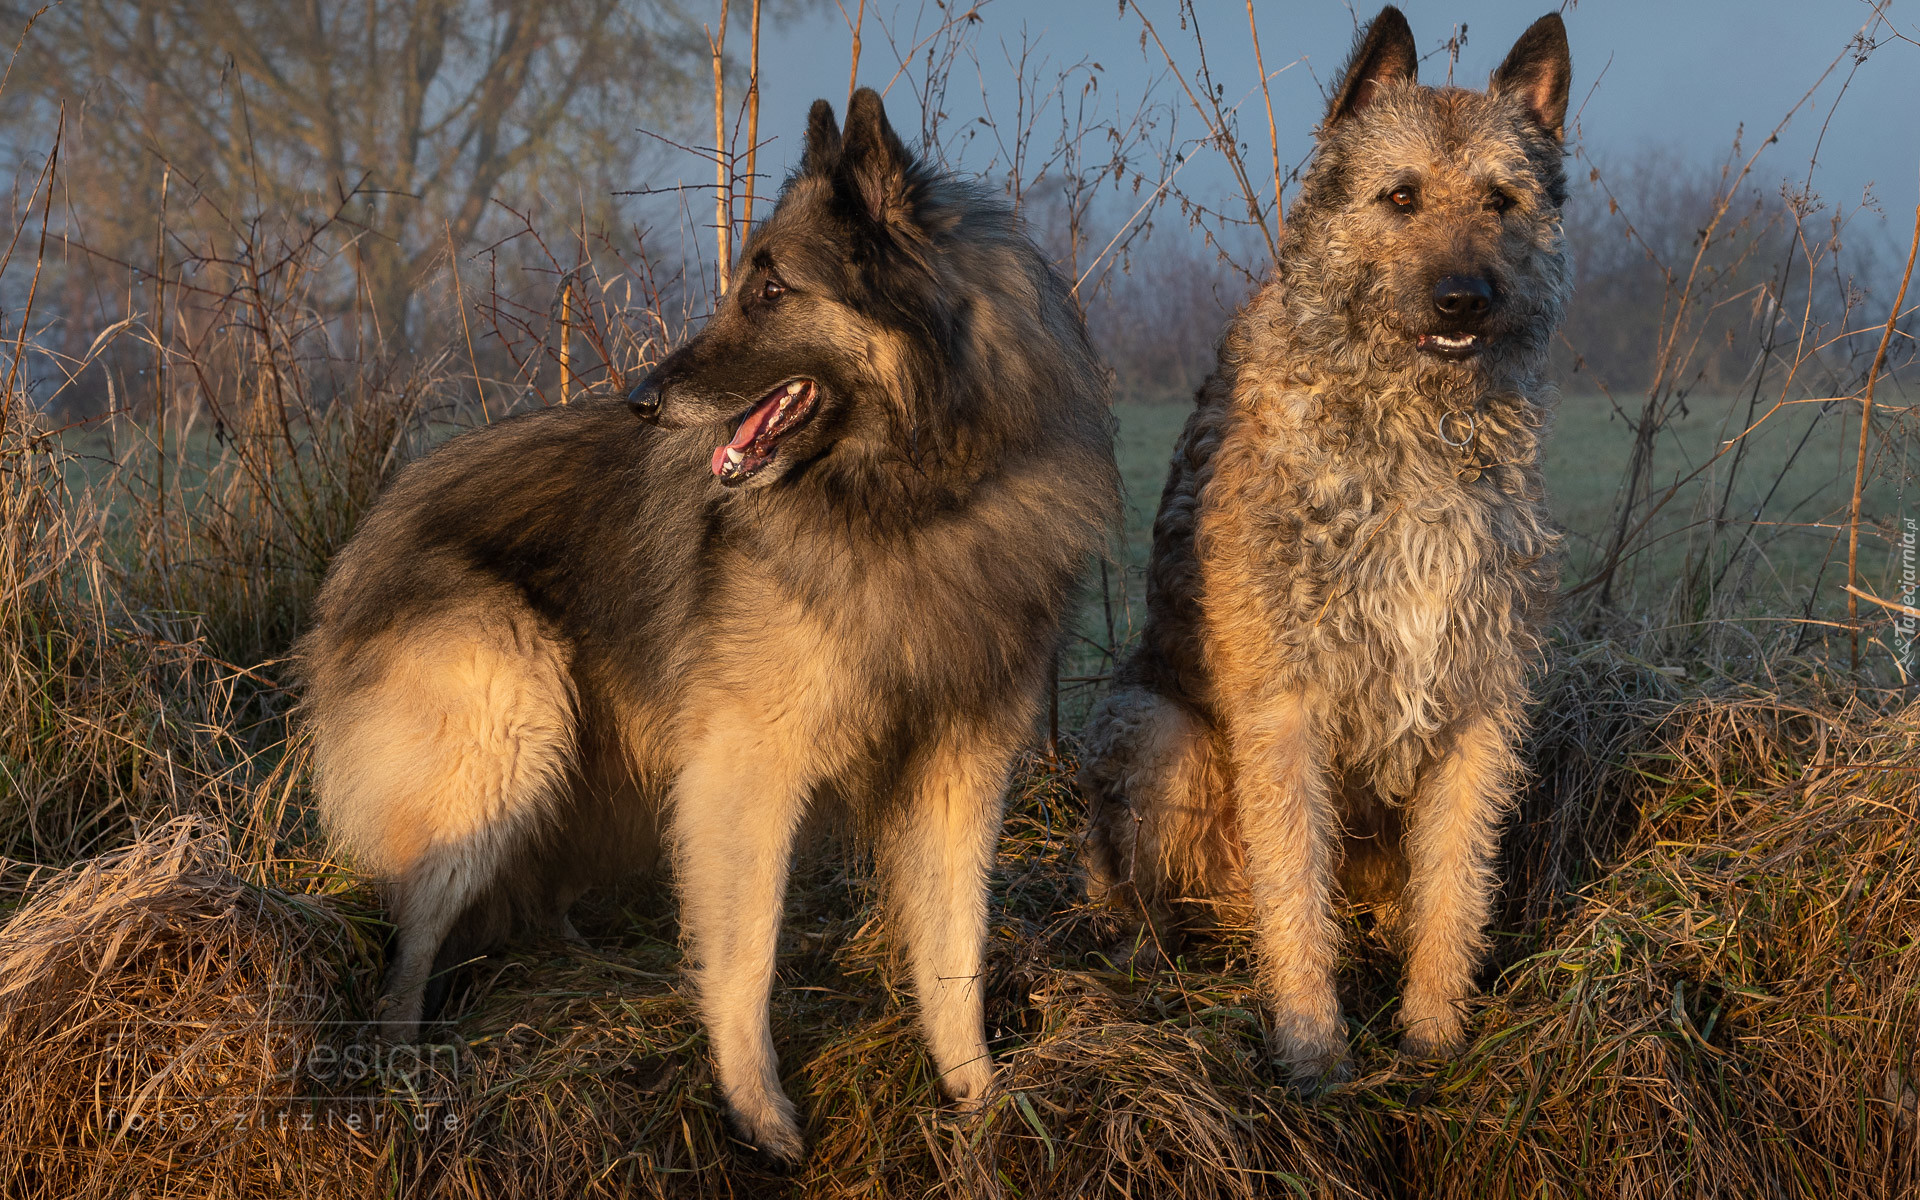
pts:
[773, 290]
[1499, 202]
[1402, 198]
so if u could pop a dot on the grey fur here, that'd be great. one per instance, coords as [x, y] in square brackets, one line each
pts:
[1352, 555]
[560, 643]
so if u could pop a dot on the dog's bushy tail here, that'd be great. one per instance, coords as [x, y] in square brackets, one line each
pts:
[1161, 832]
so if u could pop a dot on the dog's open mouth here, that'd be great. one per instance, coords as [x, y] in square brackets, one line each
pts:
[757, 438]
[1456, 346]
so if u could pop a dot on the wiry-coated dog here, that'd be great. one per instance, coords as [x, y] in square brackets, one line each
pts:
[1352, 554]
[828, 563]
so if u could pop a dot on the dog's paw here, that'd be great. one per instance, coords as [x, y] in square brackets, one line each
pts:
[1145, 944]
[1313, 1064]
[1429, 1041]
[1430, 1030]
[398, 1016]
[971, 1085]
[1313, 1078]
[1137, 952]
[560, 928]
[771, 1138]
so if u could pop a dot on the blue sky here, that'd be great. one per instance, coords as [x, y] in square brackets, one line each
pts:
[1680, 75]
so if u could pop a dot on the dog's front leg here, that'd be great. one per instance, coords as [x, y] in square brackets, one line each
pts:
[736, 808]
[934, 859]
[1291, 833]
[1453, 832]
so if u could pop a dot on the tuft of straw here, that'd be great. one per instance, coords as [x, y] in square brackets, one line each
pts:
[155, 1010]
[1728, 1005]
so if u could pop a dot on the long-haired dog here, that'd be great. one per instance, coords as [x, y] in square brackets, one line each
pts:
[826, 563]
[1352, 554]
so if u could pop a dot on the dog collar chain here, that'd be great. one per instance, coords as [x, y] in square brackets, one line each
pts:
[1470, 471]
[1466, 440]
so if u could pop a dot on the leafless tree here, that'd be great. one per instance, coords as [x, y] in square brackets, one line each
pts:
[419, 113]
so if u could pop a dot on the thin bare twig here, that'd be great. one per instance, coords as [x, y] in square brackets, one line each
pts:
[22, 40]
[33, 289]
[1216, 118]
[722, 177]
[753, 119]
[853, 70]
[160, 364]
[460, 298]
[1667, 358]
[1273, 132]
[566, 339]
[1866, 427]
[1894, 605]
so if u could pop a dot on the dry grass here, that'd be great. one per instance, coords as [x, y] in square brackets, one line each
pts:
[150, 1000]
[1731, 1010]
[1704, 984]
[1726, 1010]
[1706, 974]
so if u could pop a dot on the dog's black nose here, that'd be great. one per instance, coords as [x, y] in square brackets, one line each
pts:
[644, 400]
[1463, 297]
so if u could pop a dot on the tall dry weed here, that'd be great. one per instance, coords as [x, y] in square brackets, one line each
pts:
[1707, 963]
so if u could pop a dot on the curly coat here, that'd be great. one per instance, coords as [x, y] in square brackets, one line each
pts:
[1352, 555]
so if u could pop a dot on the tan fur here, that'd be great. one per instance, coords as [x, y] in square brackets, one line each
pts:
[931, 861]
[441, 749]
[436, 750]
[741, 796]
[463, 726]
[568, 640]
[1352, 557]
[1167, 762]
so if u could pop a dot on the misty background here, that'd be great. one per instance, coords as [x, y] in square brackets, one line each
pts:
[415, 135]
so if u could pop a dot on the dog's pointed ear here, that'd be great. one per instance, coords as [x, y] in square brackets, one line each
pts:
[1539, 71]
[823, 140]
[1385, 54]
[876, 165]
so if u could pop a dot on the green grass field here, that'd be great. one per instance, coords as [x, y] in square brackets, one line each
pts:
[1585, 464]
[1797, 470]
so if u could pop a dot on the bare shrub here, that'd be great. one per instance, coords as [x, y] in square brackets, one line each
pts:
[1158, 320]
[1706, 959]
[421, 113]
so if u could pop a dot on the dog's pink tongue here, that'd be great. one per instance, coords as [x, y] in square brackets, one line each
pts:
[749, 430]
